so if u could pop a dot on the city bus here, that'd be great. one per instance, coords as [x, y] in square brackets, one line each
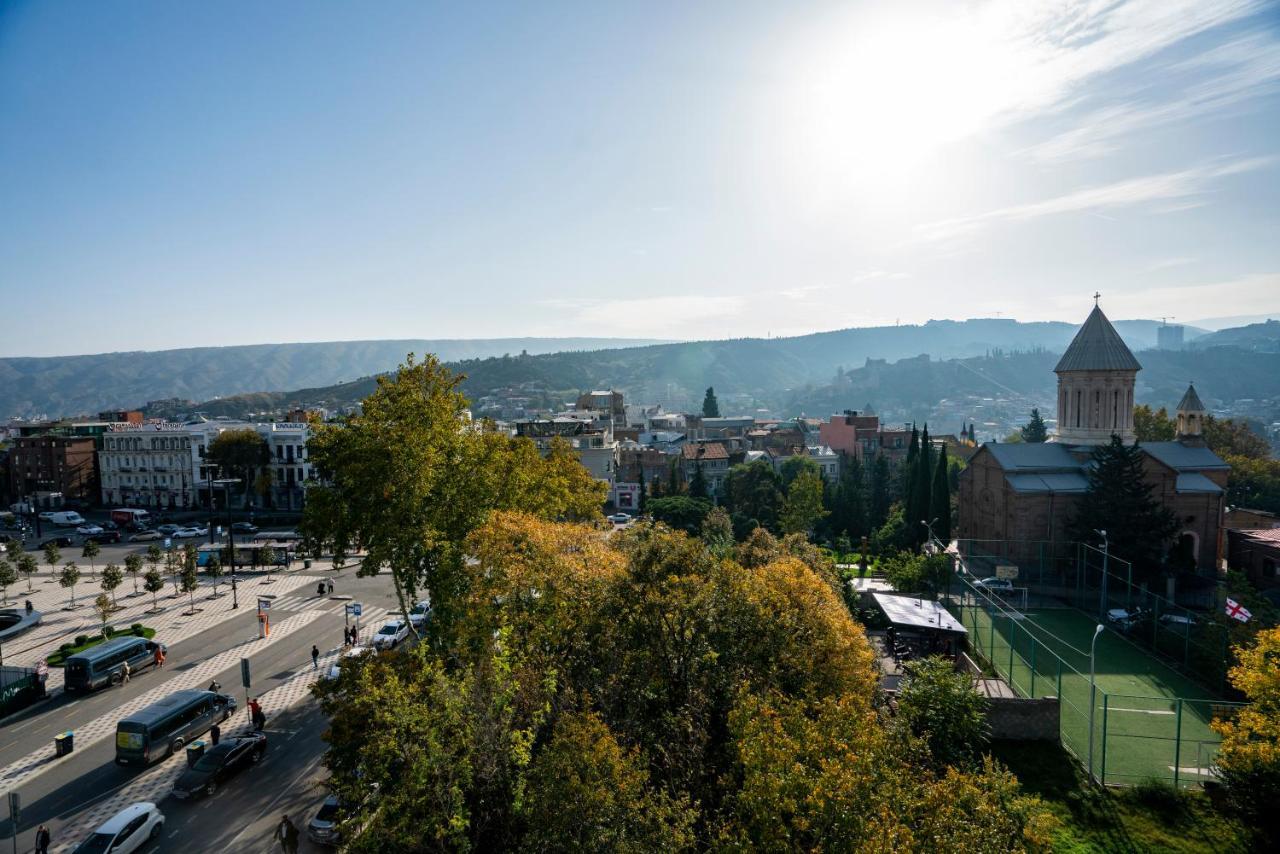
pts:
[162, 728]
[103, 664]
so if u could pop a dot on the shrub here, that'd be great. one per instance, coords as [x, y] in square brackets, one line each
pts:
[139, 630]
[81, 640]
[66, 648]
[108, 631]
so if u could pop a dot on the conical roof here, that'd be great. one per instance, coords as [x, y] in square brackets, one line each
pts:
[1191, 401]
[1097, 347]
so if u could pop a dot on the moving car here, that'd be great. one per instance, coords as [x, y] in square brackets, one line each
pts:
[219, 763]
[168, 529]
[126, 831]
[89, 528]
[64, 518]
[103, 665]
[323, 829]
[146, 536]
[420, 615]
[244, 528]
[390, 635]
[63, 542]
[164, 727]
[105, 537]
[190, 533]
[620, 518]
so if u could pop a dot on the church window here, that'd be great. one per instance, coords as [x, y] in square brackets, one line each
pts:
[1115, 408]
[1077, 407]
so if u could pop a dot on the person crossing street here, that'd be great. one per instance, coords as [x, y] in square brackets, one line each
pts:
[315, 657]
[287, 833]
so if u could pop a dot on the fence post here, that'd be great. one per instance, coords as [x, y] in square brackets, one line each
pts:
[1013, 630]
[1033, 668]
[992, 645]
[1177, 744]
[1105, 708]
[1059, 683]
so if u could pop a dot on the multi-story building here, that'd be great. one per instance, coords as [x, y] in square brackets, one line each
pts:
[287, 465]
[863, 436]
[712, 458]
[147, 465]
[591, 440]
[44, 467]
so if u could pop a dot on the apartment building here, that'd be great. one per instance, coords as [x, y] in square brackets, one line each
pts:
[147, 465]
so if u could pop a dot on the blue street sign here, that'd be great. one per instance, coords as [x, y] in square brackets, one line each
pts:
[168, 543]
[355, 608]
[264, 604]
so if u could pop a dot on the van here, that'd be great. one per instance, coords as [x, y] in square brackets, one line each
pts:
[128, 517]
[162, 728]
[103, 664]
[65, 518]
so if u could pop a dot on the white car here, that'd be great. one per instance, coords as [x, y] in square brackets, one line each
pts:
[420, 615]
[89, 530]
[128, 830]
[190, 533]
[390, 635]
[620, 518]
[354, 652]
[146, 536]
[994, 583]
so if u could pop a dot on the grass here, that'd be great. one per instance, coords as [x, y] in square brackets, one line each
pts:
[59, 657]
[1150, 816]
[1145, 729]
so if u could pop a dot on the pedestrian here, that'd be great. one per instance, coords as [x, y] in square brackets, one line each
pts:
[315, 657]
[42, 840]
[29, 608]
[330, 586]
[124, 673]
[215, 733]
[319, 588]
[287, 833]
[346, 637]
[159, 657]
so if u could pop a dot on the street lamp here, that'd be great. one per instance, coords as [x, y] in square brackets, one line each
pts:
[1093, 689]
[1106, 550]
[928, 526]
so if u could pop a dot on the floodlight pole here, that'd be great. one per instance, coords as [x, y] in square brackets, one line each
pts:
[1106, 551]
[1093, 704]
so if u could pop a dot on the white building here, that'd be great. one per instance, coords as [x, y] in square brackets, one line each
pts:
[147, 465]
[289, 466]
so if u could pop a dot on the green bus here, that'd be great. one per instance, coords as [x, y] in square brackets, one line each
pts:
[162, 728]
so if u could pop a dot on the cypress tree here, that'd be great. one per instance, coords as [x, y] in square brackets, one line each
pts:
[909, 467]
[881, 492]
[698, 483]
[710, 406]
[940, 504]
[643, 499]
[1035, 429]
[921, 491]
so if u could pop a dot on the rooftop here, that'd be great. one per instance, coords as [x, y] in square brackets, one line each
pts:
[917, 613]
[1097, 347]
[1190, 401]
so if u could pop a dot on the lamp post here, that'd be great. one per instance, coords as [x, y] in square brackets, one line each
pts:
[225, 483]
[928, 526]
[1093, 689]
[1106, 550]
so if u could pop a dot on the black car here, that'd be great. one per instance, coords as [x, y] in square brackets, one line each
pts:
[105, 537]
[60, 542]
[219, 763]
[245, 528]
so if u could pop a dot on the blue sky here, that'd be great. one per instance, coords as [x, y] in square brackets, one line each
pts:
[188, 174]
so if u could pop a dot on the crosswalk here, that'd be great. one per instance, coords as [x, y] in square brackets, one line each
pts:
[370, 614]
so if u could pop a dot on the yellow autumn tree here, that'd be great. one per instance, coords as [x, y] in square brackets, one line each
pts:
[1249, 757]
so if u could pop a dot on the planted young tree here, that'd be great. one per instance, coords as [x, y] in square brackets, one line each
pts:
[112, 577]
[190, 582]
[154, 556]
[14, 550]
[52, 556]
[69, 577]
[90, 552]
[213, 569]
[153, 583]
[133, 566]
[8, 575]
[268, 557]
[27, 567]
[103, 607]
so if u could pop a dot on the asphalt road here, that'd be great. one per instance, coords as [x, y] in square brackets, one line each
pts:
[243, 814]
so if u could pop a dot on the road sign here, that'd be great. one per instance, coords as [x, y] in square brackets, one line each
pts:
[168, 543]
[1007, 571]
[355, 608]
[264, 604]
[15, 809]
[244, 672]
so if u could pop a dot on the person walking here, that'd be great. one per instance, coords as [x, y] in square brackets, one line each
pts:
[124, 673]
[215, 733]
[159, 657]
[315, 657]
[255, 714]
[287, 833]
[330, 586]
[43, 838]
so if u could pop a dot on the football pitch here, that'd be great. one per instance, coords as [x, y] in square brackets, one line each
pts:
[1149, 720]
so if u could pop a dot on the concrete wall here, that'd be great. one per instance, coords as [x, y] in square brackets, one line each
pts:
[1018, 719]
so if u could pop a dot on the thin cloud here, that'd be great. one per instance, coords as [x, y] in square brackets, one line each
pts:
[1172, 187]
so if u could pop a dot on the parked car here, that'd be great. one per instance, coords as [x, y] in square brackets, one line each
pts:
[620, 518]
[146, 536]
[323, 829]
[88, 529]
[420, 615]
[190, 533]
[994, 583]
[219, 763]
[128, 830]
[110, 526]
[354, 652]
[105, 537]
[46, 515]
[1180, 623]
[390, 635]
[1124, 619]
[168, 529]
[63, 542]
[244, 528]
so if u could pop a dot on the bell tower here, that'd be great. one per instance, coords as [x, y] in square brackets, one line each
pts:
[1191, 415]
[1095, 385]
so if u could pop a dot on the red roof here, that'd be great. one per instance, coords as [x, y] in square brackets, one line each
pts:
[709, 451]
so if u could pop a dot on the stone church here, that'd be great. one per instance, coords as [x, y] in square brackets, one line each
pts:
[1029, 492]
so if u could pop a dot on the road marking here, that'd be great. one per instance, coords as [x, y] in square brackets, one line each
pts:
[271, 806]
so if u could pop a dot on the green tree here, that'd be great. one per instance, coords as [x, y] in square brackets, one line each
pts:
[908, 469]
[710, 406]
[698, 483]
[717, 532]
[1228, 437]
[90, 552]
[614, 806]
[940, 504]
[190, 582]
[133, 566]
[918, 508]
[154, 556]
[938, 704]
[912, 572]
[52, 556]
[1248, 759]
[153, 583]
[1253, 483]
[804, 507]
[1035, 429]
[754, 491]
[881, 492]
[8, 575]
[1118, 500]
[27, 567]
[268, 557]
[794, 466]
[68, 578]
[407, 485]
[850, 511]
[112, 578]
[680, 512]
[1153, 426]
[103, 607]
[643, 498]
[213, 569]
[14, 550]
[239, 454]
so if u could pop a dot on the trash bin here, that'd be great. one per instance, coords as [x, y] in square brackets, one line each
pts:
[306, 563]
[194, 751]
[64, 743]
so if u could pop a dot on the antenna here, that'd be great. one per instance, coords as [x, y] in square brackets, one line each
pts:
[1165, 320]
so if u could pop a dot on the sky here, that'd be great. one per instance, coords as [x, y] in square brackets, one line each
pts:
[183, 174]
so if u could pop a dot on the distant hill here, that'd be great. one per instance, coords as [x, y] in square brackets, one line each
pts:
[73, 385]
[1256, 336]
[797, 374]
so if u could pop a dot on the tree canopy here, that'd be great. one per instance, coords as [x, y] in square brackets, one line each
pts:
[1035, 429]
[710, 406]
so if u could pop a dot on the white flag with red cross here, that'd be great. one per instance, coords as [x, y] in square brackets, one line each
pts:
[1236, 611]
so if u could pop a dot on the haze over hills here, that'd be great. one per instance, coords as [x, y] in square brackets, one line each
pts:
[70, 385]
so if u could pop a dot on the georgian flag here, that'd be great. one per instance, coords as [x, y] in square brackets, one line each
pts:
[1236, 611]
